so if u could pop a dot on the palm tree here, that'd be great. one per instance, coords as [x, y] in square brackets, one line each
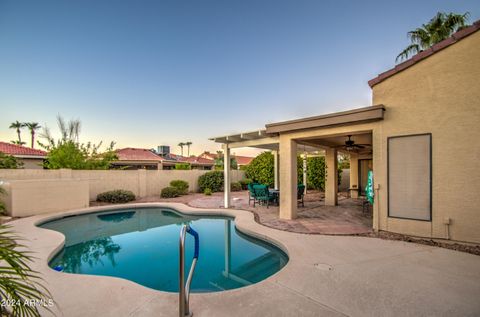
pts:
[18, 126]
[439, 28]
[188, 147]
[33, 126]
[181, 144]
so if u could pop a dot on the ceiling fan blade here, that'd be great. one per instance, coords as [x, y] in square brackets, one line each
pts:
[359, 146]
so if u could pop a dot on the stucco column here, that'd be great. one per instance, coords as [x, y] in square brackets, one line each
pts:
[331, 182]
[226, 180]
[304, 161]
[276, 169]
[288, 178]
[354, 174]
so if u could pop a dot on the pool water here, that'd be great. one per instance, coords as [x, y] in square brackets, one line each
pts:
[141, 245]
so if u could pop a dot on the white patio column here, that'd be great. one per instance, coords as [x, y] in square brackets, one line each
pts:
[226, 171]
[276, 177]
[305, 170]
[288, 178]
[331, 182]
[354, 175]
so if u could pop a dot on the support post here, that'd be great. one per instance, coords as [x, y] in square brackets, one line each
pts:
[331, 183]
[276, 175]
[226, 180]
[305, 171]
[288, 178]
[354, 186]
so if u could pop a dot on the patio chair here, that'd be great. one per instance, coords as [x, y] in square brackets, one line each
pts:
[300, 194]
[251, 192]
[262, 195]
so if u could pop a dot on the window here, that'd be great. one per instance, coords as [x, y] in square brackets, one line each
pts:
[410, 177]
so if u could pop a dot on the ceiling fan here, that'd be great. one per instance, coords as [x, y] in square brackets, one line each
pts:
[350, 145]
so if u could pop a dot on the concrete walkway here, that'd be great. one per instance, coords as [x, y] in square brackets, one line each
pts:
[325, 276]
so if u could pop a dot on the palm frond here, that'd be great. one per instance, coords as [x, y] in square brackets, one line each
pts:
[18, 282]
[412, 49]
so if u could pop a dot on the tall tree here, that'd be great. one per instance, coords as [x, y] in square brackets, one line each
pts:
[18, 126]
[181, 145]
[188, 147]
[439, 28]
[33, 126]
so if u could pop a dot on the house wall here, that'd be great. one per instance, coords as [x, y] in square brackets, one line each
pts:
[29, 163]
[439, 95]
[54, 185]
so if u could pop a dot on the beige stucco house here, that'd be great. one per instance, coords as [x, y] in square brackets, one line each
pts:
[421, 141]
[30, 158]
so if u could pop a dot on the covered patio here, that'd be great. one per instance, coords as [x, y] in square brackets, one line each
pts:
[350, 132]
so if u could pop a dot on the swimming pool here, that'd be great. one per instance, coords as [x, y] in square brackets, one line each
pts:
[141, 245]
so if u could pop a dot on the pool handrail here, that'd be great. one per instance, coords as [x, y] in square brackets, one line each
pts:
[184, 289]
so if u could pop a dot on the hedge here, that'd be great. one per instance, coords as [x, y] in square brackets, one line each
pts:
[181, 185]
[116, 196]
[212, 180]
[169, 192]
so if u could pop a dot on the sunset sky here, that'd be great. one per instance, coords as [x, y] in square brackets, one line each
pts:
[147, 73]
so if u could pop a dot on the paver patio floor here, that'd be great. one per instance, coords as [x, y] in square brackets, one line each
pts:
[315, 218]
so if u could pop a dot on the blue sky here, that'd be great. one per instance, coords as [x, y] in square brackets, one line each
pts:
[145, 73]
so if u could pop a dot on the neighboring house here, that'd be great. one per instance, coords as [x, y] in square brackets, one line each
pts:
[241, 160]
[137, 158]
[421, 135]
[31, 158]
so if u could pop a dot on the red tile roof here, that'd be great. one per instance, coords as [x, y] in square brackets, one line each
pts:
[243, 160]
[422, 55]
[134, 154]
[197, 160]
[18, 150]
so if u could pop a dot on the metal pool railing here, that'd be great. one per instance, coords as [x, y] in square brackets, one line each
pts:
[184, 289]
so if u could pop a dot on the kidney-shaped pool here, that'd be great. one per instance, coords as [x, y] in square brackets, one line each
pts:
[141, 245]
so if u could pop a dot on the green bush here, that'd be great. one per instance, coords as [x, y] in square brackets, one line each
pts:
[169, 192]
[207, 191]
[260, 169]
[212, 180]
[9, 161]
[244, 182]
[116, 196]
[183, 166]
[181, 185]
[235, 187]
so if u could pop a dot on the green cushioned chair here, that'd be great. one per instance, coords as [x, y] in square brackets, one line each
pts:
[262, 195]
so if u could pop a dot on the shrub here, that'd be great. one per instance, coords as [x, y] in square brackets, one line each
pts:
[181, 185]
[183, 166]
[260, 169]
[9, 161]
[212, 180]
[235, 187]
[116, 196]
[244, 182]
[207, 191]
[169, 192]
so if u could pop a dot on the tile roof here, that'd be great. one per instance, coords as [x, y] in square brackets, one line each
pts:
[135, 154]
[243, 160]
[18, 150]
[424, 54]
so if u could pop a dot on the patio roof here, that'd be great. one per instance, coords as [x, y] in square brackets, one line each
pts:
[258, 138]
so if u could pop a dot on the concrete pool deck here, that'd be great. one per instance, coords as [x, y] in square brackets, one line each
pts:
[325, 276]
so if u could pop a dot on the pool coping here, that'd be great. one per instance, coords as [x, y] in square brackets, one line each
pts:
[81, 295]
